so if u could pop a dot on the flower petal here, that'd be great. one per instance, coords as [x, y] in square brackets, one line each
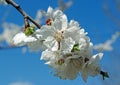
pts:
[96, 58]
[44, 32]
[36, 46]
[21, 39]
[50, 12]
[51, 43]
[67, 45]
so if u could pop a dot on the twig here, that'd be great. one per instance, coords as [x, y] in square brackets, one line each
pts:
[26, 23]
[25, 15]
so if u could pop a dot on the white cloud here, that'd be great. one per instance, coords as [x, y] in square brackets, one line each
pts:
[10, 30]
[20, 83]
[107, 46]
[63, 6]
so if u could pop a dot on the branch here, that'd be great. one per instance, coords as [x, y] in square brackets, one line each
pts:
[24, 14]
[110, 14]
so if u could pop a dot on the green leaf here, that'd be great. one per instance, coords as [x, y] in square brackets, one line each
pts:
[104, 75]
[30, 30]
[75, 48]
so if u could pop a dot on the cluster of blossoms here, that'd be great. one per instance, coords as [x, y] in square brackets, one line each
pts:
[66, 48]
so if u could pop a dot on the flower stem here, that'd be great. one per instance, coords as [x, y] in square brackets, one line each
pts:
[24, 14]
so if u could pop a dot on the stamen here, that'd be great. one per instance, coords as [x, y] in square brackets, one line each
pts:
[86, 59]
[58, 36]
[60, 62]
[49, 21]
[58, 45]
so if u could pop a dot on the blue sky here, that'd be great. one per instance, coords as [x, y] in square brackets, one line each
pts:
[16, 66]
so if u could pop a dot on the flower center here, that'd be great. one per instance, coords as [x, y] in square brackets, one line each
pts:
[58, 36]
[60, 61]
[49, 21]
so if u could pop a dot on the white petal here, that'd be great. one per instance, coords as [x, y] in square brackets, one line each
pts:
[70, 71]
[84, 76]
[94, 70]
[67, 45]
[96, 58]
[66, 71]
[21, 39]
[51, 43]
[64, 22]
[72, 32]
[44, 32]
[50, 12]
[57, 24]
[57, 14]
[60, 20]
[60, 23]
[73, 23]
[36, 46]
[46, 55]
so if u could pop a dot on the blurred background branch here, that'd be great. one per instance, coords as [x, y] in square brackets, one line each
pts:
[111, 14]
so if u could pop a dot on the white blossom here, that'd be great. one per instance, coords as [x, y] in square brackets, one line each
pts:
[54, 15]
[66, 47]
[68, 66]
[21, 39]
[63, 36]
[53, 33]
[65, 67]
[91, 68]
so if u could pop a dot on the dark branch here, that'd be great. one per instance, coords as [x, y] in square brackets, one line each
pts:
[25, 15]
[26, 22]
